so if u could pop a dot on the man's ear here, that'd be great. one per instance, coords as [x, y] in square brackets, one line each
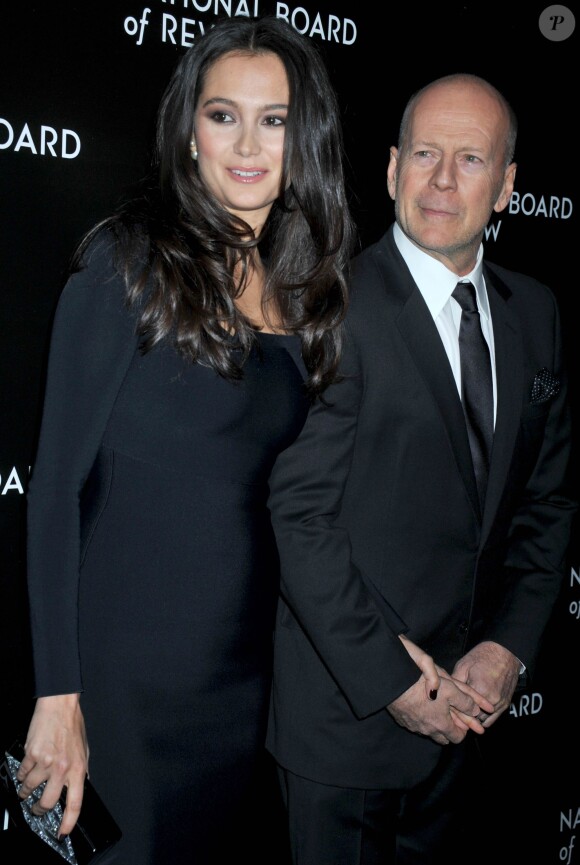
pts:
[507, 188]
[392, 172]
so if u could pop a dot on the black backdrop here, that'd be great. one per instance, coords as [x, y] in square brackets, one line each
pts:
[79, 86]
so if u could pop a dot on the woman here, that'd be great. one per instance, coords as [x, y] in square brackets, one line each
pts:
[199, 322]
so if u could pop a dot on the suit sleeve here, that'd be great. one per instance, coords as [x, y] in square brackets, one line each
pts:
[92, 343]
[350, 627]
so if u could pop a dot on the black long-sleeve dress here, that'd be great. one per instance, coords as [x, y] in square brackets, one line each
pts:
[153, 571]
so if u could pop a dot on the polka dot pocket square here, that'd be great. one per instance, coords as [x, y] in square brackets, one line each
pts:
[545, 386]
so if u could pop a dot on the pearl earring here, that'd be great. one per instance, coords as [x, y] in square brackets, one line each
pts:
[193, 149]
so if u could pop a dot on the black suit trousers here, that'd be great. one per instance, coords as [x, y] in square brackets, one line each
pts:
[423, 825]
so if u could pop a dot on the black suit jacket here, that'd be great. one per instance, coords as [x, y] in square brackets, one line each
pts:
[376, 514]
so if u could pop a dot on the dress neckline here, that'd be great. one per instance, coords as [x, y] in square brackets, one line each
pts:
[267, 333]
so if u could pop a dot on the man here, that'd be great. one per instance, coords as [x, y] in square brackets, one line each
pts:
[405, 534]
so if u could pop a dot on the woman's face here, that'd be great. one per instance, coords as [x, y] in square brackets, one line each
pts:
[239, 132]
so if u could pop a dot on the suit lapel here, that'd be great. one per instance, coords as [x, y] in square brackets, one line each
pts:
[418, 330]
[508, 366]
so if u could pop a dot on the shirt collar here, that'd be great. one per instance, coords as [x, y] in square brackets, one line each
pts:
[435, 281]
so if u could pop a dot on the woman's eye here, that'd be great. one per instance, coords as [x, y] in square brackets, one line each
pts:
[221, 117]
[273, 120]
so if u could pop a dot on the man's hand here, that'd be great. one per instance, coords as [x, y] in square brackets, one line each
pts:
[494, 672]
[448, 717]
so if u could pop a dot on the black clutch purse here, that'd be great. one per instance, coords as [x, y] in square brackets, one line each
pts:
[94, 833]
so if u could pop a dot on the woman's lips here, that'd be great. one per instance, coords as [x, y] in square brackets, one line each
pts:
[247, 175]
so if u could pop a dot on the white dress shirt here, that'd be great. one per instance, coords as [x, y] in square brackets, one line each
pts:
[436, 283]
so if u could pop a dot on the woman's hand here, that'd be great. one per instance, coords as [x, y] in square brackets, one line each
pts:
[56, 751]
[429, 669]
[433, 675]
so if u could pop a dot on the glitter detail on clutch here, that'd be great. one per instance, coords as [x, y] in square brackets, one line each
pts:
[46, 827]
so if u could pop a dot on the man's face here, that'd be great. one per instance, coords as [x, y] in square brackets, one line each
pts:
[450, 174]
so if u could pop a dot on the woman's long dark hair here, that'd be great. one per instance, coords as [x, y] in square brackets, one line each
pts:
[177, 246]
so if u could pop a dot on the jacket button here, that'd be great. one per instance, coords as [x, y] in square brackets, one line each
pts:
[463, 628]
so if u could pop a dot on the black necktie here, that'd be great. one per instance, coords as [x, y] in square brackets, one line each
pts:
[476, 384]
